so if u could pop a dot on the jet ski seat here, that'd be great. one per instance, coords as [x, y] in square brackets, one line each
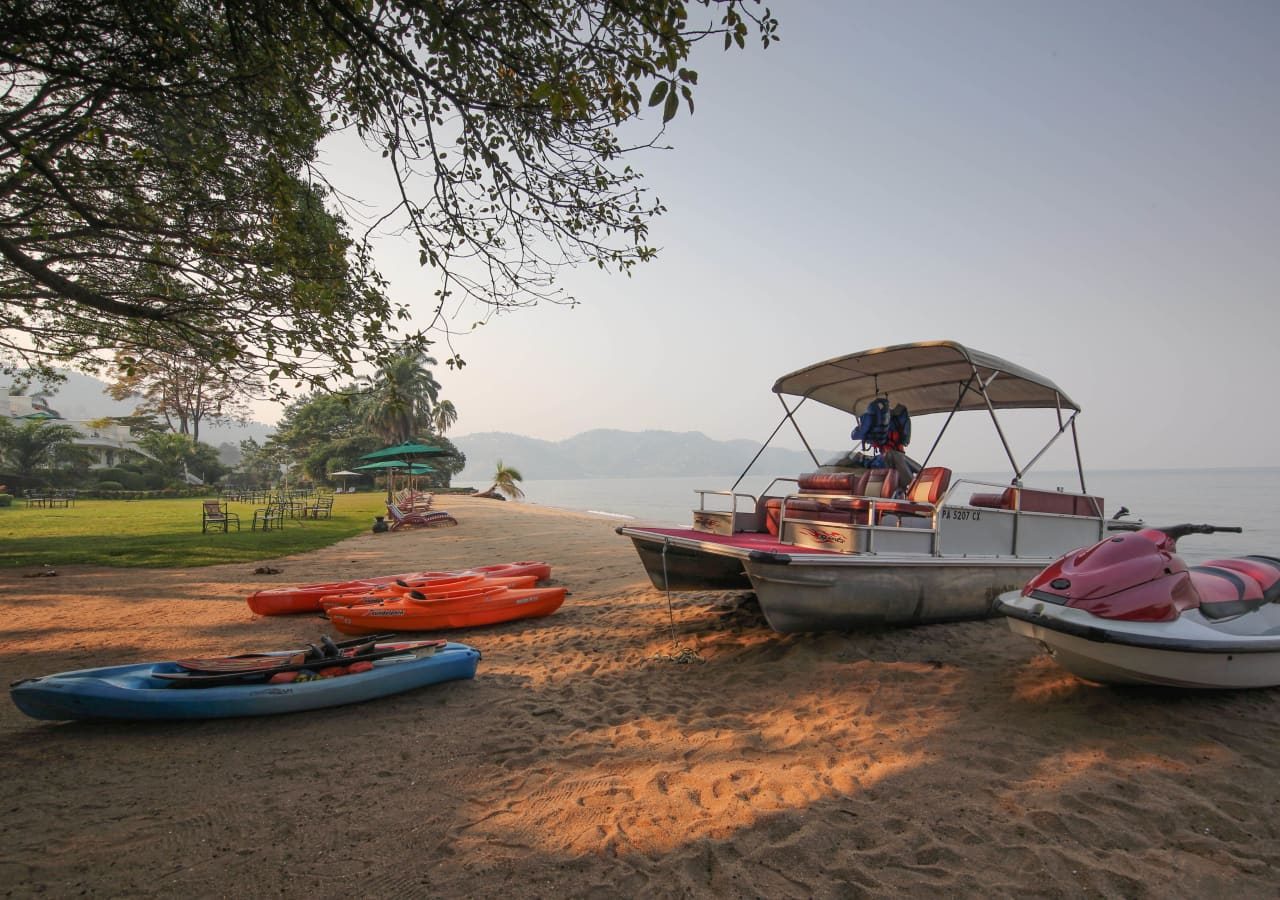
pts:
[1232, 587]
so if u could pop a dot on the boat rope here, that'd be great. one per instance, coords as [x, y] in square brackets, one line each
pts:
[681, 654]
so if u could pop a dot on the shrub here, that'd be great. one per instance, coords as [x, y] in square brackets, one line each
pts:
[109, 486]
[6, 499]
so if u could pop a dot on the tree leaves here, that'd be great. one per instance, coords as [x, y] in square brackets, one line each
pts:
[184, 139]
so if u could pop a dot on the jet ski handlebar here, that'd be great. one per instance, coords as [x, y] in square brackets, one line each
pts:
[1177, 531]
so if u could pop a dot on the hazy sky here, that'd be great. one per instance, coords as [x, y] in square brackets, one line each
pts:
[1088, 189]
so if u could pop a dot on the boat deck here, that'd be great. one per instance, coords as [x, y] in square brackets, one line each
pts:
[744, 540]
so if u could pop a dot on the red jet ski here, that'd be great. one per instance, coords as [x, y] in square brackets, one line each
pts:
[1129, 610]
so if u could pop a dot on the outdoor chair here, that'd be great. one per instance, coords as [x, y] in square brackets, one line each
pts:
[413, 501]
[321, 508]
[400, 518]
[272, 516]
[215, 516]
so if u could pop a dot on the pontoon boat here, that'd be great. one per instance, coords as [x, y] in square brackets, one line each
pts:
[833, 549]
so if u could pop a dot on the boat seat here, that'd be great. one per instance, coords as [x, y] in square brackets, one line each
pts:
[923, 494]
[1230, 587]
[833, 482]
[875, 484]
[1034, 500]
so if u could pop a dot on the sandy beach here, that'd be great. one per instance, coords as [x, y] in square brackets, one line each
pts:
[620, 747]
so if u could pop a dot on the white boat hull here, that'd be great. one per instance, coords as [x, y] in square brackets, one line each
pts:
[806, 595]
[1187, 653]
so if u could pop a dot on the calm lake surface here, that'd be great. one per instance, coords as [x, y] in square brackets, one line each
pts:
[1249, 498]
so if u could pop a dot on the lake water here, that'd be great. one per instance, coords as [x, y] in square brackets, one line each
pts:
[1249, 498]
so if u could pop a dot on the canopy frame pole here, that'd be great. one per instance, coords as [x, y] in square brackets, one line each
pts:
[986, 398]
[964, 389]
[1062, 428]
[786, 417]
[1075, 439]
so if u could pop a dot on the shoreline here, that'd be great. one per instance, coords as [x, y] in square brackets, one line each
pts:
[584, 760]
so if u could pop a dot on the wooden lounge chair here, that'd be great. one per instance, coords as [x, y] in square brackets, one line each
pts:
[434, 519]
[413, 501]
[215, 516]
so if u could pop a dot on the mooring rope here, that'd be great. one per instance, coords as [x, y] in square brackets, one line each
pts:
[681, 654]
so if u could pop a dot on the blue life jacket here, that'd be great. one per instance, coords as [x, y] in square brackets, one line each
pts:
[873, 425]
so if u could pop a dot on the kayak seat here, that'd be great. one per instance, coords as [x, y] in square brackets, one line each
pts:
[1034, 500]
[1227, 587]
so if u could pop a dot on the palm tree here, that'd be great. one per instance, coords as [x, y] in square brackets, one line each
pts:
[443, 416]
[35, 445]
[401, 396]
[504, 481]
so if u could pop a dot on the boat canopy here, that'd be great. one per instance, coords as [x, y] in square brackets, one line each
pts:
[926, 377]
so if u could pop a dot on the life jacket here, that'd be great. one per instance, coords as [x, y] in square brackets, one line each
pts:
[899, 428]
[873, 425]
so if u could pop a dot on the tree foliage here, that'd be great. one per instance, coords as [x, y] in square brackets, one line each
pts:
[34, 447]
[330, 431]
[145, 138]
[506, 480]
[400, 396]
[183, 390]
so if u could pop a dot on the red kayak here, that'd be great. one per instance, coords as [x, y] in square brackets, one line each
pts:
[428, 588]
[458, 609]
[306, 597]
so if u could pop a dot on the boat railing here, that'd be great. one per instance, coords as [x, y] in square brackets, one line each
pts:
[960, 494]
[755, 500]
[733, 506]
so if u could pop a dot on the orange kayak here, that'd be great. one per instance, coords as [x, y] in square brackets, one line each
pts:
[429, 588]
[306, 597]
[463, 608]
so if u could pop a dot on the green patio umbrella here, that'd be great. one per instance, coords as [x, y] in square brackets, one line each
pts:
[391, 466]
[408, 449]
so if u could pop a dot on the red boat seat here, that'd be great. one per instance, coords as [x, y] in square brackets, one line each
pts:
[876, 484]
[1229, 587]
[852, 510]
[1034, 500]
[833, 482]
[925, 491]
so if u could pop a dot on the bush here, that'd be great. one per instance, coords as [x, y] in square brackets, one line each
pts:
[109, 486]
[6, 499]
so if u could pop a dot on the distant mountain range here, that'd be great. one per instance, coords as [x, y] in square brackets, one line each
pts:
[602, 453]
[608, 453]
[84, 397]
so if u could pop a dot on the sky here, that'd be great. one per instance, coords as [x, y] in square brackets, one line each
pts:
[1087, 189]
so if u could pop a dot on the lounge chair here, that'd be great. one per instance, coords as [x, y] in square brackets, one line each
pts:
[413, 501]
[215, 516]
[434, 519]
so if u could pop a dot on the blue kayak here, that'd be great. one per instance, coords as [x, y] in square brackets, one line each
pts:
[132, 692]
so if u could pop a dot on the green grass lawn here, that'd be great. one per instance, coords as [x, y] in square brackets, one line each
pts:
[165, 533]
